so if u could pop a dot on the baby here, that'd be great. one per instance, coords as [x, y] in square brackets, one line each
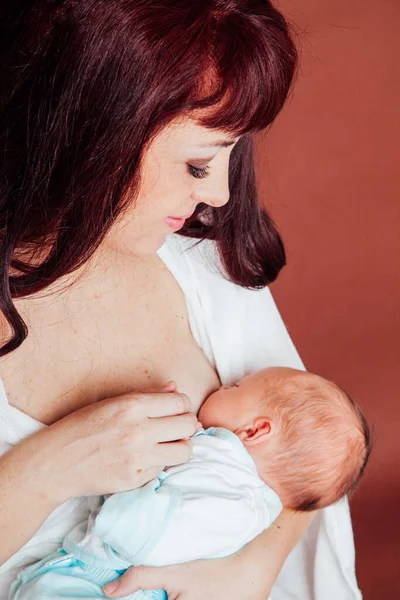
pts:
[279, 437]
[308, 439]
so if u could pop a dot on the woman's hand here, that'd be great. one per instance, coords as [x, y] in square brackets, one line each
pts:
[246, 575]
[112, 445]
[231, 577]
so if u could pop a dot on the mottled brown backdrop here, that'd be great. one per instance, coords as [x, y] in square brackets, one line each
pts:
[329, 173]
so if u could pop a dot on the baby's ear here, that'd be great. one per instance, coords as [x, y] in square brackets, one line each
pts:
[256, 432]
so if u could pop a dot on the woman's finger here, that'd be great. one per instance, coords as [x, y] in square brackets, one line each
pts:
[173, 453]
[139, 578]
[163, 404]
[170, 386]
[169, 429]
[147, 475]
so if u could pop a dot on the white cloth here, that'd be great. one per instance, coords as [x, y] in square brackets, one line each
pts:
[209, 507]
[240, 331]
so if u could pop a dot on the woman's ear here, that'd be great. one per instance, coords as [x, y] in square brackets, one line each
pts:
[256, 432]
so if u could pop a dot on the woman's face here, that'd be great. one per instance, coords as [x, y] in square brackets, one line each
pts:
[184, 166]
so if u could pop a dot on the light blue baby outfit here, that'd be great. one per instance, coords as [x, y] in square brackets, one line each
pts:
[209, 507]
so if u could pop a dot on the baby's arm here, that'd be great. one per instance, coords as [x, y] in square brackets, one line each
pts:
[193, 514]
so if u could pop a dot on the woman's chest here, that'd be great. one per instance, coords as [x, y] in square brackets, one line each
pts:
[86, 351]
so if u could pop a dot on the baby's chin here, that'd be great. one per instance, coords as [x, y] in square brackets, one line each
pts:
[208, 414]
[204, 417]
[217, 409]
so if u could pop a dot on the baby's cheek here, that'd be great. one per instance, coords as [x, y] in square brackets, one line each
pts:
[206, 414]
[215, 410]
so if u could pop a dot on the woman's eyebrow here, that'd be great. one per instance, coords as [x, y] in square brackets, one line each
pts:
[219, 143]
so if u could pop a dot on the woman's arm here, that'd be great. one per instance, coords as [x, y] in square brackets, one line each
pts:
[284, 533]
[25, 500]
[246, 575]
[267, 552]
[110, 446]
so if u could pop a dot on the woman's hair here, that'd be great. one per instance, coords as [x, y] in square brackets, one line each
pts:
[86, 85]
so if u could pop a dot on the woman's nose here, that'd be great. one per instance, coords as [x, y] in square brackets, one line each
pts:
[215, 190]
[218, 198]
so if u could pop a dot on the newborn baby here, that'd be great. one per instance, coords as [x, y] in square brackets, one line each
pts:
[280, 437]
[308, 439]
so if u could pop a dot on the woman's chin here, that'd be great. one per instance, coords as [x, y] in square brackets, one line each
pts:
[141, 240]
[147, 247]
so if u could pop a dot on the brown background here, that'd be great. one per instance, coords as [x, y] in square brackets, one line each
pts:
[329, 175]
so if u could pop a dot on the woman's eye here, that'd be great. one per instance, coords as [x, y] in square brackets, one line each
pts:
[198, 172]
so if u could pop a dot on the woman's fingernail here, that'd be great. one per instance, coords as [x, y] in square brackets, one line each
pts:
[166, 385]
[110, 588]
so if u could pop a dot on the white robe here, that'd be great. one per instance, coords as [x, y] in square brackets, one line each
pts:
[240, 331]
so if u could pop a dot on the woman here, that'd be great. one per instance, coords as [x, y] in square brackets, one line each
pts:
[122, 122]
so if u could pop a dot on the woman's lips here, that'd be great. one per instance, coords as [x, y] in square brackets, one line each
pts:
[176, 223]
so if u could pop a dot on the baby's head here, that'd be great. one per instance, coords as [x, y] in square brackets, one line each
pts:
[309, 440]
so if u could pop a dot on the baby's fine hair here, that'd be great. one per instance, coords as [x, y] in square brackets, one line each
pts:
[325, 442]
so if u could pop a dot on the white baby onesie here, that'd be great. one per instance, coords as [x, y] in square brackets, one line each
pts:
[209, 507]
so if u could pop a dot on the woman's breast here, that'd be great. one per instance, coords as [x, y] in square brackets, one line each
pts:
[135, 342]
[192, 372]
[172, 356]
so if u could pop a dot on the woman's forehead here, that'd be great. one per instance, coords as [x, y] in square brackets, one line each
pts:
[193, 132]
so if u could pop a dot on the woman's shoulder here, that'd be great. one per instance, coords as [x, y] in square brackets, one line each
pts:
[197, 267]
[244, 326]
[192, 253]
[198, 261]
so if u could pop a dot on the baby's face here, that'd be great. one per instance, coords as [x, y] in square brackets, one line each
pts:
[227, 406]
[232, 406]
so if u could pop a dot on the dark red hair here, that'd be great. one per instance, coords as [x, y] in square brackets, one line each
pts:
[85, 87]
